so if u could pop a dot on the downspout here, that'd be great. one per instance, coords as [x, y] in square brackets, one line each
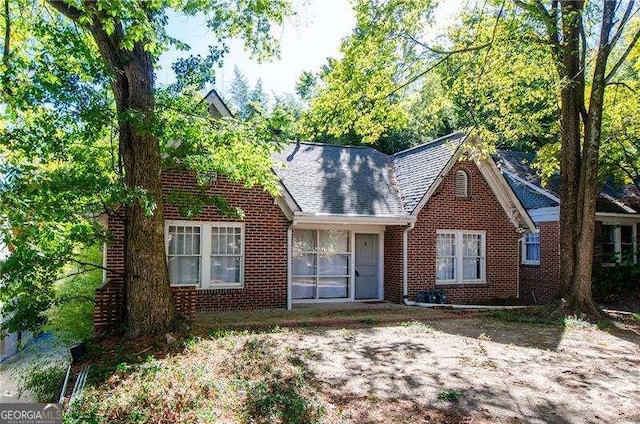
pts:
[520, 241]
[405, 262]
[289, 239]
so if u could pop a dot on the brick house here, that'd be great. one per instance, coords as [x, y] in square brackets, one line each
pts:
[617, 228]
[350, 224]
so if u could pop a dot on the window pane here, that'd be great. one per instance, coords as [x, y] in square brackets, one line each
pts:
[334, 241]
[445, 245]
[225, 269]
[471, 245]
[303, 288]
[445, 269]
[471, 269]
[533, 252]
[304, 241]
[626, 233]
[330, 288]
[184, 270]
[334, 264]
[304, 264]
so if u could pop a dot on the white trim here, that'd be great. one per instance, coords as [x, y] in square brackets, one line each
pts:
[524, 250]
[618, 217]
[459, 255]
[205, 250]
[618, 238]
[310, 218]
[531, 185]
[439, 178]
[214, 99]
[548, 214]
[505, 195]
[289, 245]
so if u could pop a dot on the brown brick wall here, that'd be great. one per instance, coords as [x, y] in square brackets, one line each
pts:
[541, 281]
[393, 263]
[480, 211]
[265, 261]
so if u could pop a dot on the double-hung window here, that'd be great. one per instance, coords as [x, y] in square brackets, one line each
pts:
[460, 256]
[618, 243]
[205, 254]
[531, 249]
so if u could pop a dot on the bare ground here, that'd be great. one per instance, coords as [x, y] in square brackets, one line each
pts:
[511, 373]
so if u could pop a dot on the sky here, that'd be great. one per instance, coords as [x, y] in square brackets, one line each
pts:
[306, 40]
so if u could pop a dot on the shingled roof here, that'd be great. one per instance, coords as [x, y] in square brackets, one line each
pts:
[351, 180]
[518, 171]
[417, 169]
[340, 180]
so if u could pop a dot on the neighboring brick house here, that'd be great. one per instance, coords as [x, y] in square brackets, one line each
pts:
[617, 231]
[351, 224]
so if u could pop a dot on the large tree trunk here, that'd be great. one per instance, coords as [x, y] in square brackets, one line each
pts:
[571, 106]
[150, 305]
[149, 301]
[580, 296]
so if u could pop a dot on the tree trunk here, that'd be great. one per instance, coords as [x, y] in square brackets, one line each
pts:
[570, 111]
[150, 305]
[149, 302]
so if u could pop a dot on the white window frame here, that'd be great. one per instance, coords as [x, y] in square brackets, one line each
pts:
[617, 236]
[317, 276]
[459, 257]
[205, 250]
[464, 174]
[525, 245]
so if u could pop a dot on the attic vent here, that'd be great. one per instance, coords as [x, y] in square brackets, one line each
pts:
[462, 184]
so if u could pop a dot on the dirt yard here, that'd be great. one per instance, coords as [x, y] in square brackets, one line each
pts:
[499, 372]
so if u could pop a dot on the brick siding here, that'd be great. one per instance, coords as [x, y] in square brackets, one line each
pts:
[265, 260]
[480, 211]
[539, 283]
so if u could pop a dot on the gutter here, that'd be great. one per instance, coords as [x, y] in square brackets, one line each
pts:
[405, 260]
[289, 241]
[316, 218]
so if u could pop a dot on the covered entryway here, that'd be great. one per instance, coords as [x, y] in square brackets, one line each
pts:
[330, 264]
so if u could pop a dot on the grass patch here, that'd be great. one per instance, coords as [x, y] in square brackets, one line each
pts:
[449, 395]
[369, 320]
[417, 325]
[227, 378]
[535, 315]
[43, 381]
[635, 316]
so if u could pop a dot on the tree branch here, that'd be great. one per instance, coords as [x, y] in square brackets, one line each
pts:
[96, 266]
[622, 58]
[5, 53]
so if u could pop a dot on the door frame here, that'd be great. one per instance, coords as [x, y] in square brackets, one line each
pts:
[353, 230]
[380, 263]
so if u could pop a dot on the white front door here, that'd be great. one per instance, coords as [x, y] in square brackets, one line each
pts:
[366, 266]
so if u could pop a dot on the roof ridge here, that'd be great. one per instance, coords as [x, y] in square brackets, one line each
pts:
[345, 146]
[425, 144]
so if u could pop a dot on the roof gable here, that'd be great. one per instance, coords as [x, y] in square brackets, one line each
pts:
[417, 169]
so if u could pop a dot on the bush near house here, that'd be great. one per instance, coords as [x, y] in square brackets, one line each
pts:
[615, 283]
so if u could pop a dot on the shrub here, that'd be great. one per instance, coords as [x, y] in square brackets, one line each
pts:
[43, 381]
[611, 283]
[70, 318]
[449, 395]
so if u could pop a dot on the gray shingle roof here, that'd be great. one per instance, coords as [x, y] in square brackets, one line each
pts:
[329, 179]
[530, 198]
[416, 169]
[611, 199]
